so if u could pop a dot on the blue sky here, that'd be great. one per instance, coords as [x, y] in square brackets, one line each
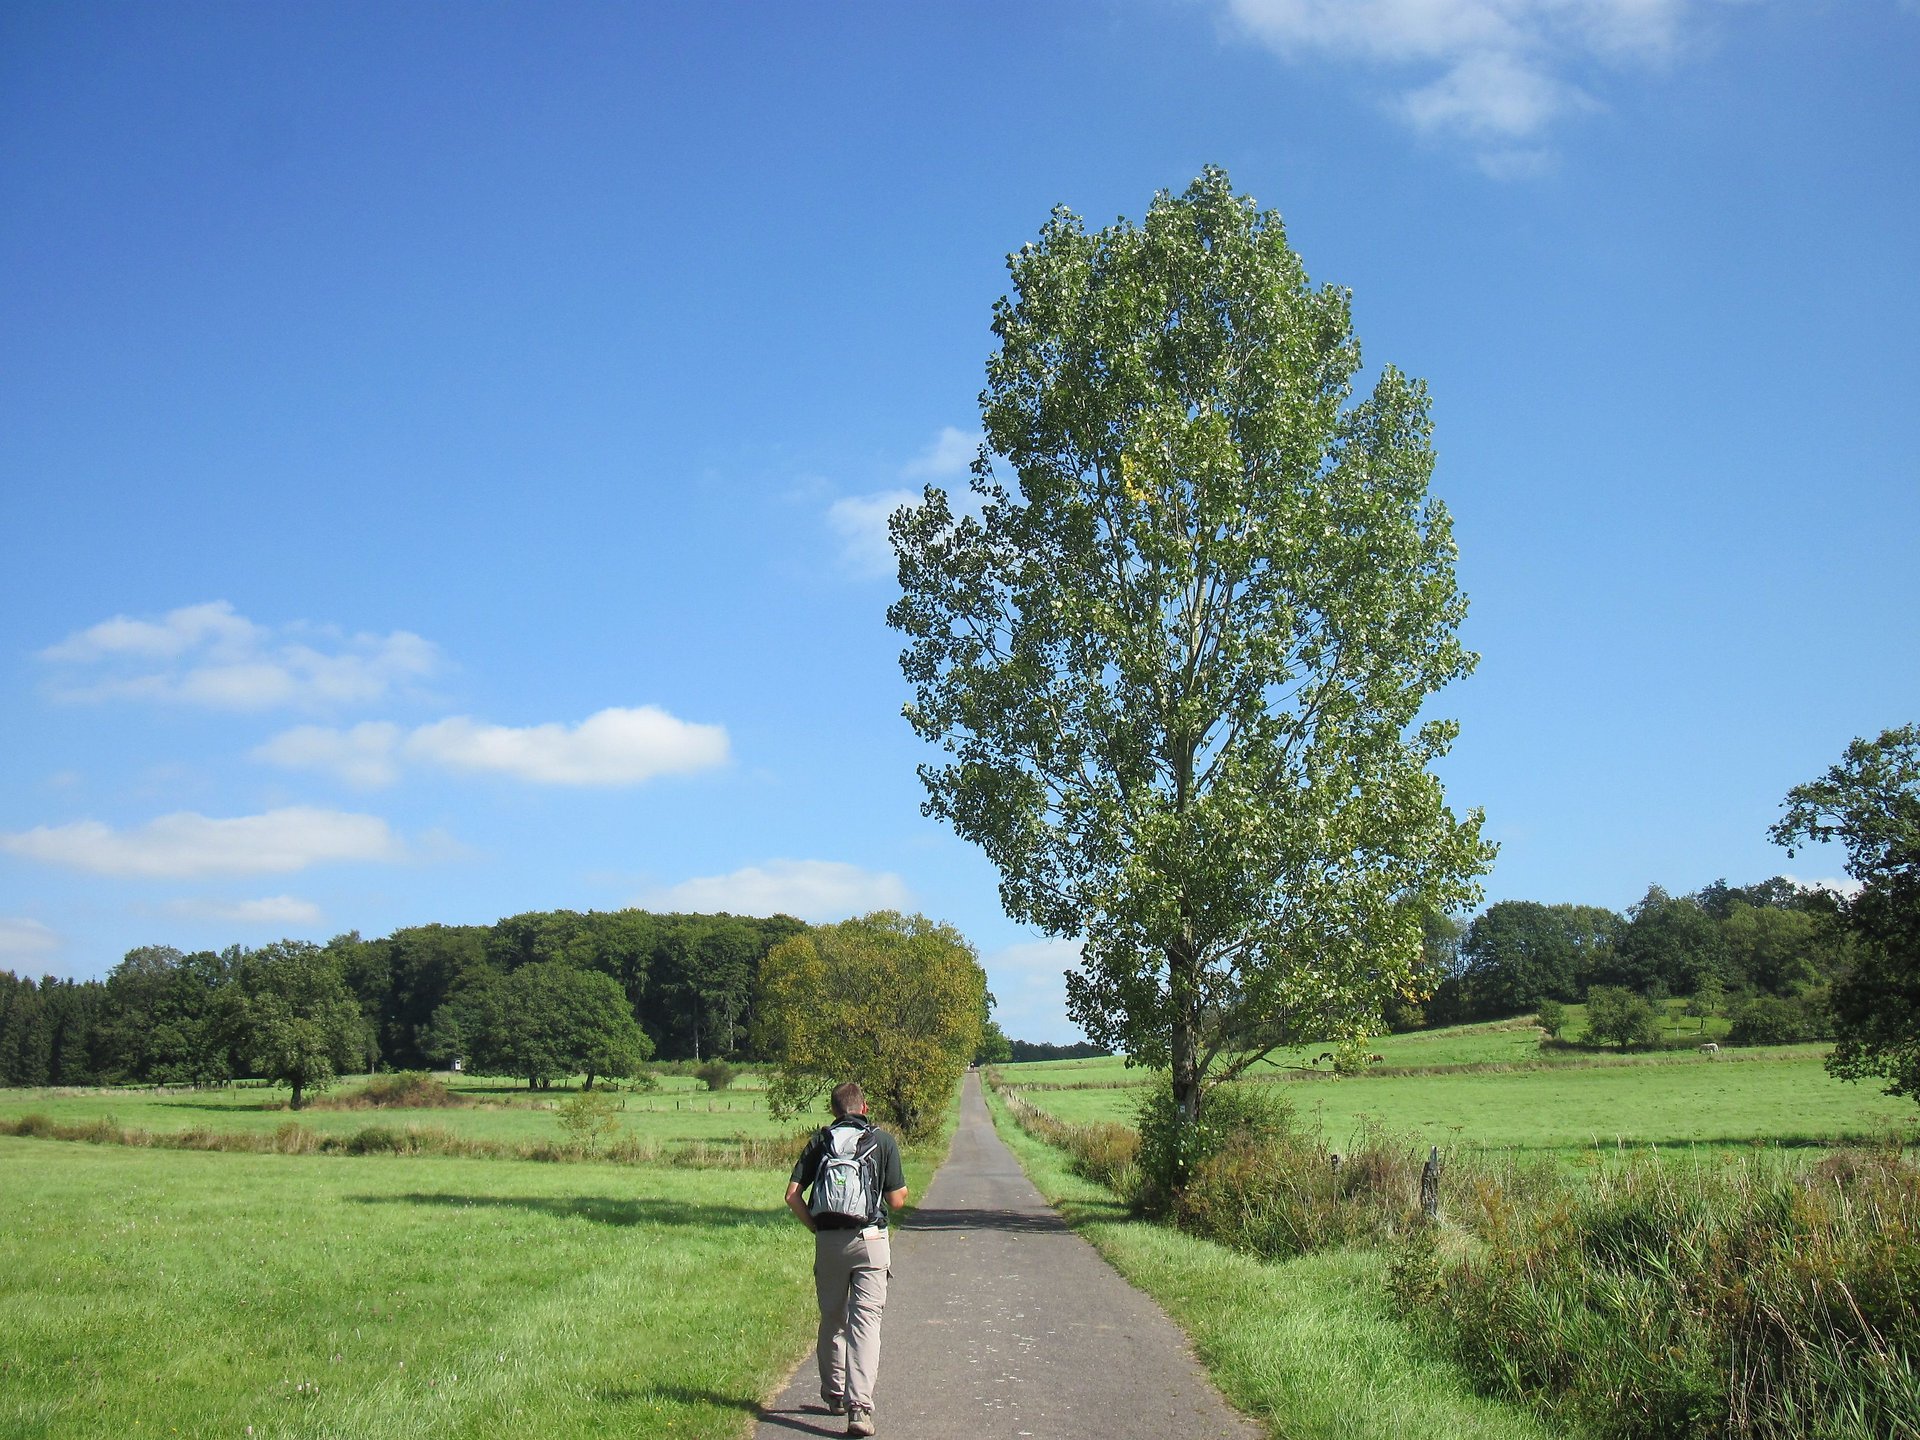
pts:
[441, 446]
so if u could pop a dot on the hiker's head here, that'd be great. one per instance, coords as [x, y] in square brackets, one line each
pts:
[849, 1099]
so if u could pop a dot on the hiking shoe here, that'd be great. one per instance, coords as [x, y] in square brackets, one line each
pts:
[836, 1404]
[859, 1421]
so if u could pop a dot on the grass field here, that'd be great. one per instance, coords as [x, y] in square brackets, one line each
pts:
[165, 1292]
[682, 1110]
[1481, 1086]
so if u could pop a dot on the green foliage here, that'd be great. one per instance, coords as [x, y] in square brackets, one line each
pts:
[995, 1048]
[298, 1023]
[1656, 1300]
[892, 1001]
[1177, 665]
[715, 1074]
[1616, 1016]
[1770, 1020]
[588, 1117]
[1174, 1148]
[1870, 802]
[548, 1020]
[1552, 1016]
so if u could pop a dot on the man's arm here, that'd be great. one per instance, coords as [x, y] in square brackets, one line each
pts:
[896, 1198]
[799, 1206]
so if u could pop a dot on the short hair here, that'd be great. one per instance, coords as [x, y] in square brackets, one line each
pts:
[848, 1099]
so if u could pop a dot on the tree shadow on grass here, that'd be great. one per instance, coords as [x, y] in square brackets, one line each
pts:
[226, 1107]
[676, 1394]
[601, 1209]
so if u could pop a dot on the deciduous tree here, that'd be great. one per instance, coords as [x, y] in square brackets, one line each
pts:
[299, 1021]
[1870, 803]
[1178, 658]
[892, 1001]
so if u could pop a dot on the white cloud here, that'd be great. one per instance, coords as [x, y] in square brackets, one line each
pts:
[363, 755]
[948, 454]
[268, 912]
[1029, 988]
[861, 523]
[1494, 73]
[1845, 886]
[185, 844]
[613, 747]
[817, 891]
[25, 941]
[208, 655]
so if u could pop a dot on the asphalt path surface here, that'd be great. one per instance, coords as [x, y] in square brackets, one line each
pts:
[1001, 1322]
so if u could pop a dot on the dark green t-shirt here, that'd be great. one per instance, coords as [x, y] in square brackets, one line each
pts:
[886, 1157]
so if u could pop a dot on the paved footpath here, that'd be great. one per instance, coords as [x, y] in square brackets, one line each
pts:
[1001, 1322]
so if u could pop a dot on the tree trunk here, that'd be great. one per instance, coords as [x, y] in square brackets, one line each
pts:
[1183, 990]
[299, 1091]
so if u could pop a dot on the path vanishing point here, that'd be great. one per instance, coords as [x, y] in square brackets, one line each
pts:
[1002, 1324]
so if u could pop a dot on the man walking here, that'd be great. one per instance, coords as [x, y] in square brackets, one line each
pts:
[852, 1171]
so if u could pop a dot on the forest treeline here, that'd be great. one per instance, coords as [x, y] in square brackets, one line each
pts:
[162, 1016]
[1763, 954]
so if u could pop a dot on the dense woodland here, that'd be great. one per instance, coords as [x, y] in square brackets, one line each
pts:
[163, 1017]
[1760, 954]
[1764, 955]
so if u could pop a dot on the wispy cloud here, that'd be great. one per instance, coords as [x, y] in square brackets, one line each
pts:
[612, 747]
[268, 912]
[1029, 987]
[186, 845]
[209, 655]
[1493, 74]
[860, 521]
[947, 455]
[817, 891]
[1844, 886]
[25, 941]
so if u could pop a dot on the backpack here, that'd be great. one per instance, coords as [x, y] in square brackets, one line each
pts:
[846, 1187]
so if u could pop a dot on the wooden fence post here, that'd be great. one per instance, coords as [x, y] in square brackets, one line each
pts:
[1430, 1184]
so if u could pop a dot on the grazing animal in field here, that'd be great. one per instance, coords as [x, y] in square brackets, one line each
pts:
[1709, 1049]
[1376, 1059]
[1323, 1055]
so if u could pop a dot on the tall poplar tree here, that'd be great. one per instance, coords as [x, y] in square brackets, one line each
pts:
[1177, 650]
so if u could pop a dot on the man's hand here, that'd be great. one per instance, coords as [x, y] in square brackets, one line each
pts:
[799, 1206]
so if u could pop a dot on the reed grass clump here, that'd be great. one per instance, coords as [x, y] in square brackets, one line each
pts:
[1734, 1298]
[1102, 1151]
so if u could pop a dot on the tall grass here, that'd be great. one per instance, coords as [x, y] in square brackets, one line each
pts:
[1737, 1295]
[739, 1152]
[1743, 1298]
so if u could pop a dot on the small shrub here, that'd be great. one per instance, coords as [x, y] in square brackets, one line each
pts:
[715, 1074]
[373, 1140]
[1552, 1016]
[644, 1083]
[1238, 1116]
[589, 1117]
[1618, 1016]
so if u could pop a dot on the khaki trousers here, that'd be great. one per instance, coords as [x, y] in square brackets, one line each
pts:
[850, 1278]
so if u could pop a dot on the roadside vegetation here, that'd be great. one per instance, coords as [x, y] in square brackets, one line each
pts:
[1636, 1283]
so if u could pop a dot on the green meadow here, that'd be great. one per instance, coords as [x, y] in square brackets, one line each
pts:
[1493, 1086]
[681, 1110]
[161, 1291]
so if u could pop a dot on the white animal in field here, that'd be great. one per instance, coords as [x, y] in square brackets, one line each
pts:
[1709, 1049]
